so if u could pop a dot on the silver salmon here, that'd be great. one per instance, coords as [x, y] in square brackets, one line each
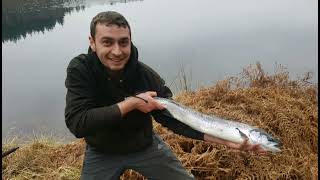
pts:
[224, 129]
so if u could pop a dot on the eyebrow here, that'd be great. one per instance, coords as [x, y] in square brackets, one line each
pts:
[109, 38]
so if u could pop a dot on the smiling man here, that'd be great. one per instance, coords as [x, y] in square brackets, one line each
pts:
[110, 102]
[112, 45]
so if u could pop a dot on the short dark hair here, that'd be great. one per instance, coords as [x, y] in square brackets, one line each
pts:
[108, 18]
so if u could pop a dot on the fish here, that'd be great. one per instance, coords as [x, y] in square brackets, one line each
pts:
[228, 130]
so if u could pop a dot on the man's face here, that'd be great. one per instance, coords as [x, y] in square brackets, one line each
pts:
[112, 45]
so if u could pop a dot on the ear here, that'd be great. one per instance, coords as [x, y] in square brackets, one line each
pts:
[92, 44]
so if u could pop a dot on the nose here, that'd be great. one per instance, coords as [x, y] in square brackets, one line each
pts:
[116, 50]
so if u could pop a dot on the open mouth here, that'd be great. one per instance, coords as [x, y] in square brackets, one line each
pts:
[116, 61]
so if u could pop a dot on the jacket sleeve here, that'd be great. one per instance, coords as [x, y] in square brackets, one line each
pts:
[166, 120]
[82, 116]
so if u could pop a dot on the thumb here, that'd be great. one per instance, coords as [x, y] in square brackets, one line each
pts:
[152, 93]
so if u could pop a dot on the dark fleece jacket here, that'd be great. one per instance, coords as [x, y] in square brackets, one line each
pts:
[92, 111]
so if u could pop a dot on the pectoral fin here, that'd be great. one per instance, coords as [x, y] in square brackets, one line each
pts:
[243, 136]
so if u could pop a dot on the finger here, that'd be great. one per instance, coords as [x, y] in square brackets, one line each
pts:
[139, 97]
[263, 153]
[152, 93]
[254, 147]
[259, 149]
[159, 106]
[241, 146]
[244, 144]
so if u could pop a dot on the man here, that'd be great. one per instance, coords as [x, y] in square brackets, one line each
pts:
[110, 101]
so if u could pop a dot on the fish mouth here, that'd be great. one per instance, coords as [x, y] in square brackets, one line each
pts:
[277, 145]
[273, 144]
[276, 150]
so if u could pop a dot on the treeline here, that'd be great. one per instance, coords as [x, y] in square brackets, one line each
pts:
[22, 17]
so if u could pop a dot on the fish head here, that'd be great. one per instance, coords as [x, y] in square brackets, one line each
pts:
[269, 143]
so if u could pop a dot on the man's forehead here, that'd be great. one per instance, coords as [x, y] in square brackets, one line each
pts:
[112, 27]
[112, 31]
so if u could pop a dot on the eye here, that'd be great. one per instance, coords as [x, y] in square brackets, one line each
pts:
[107, 43]
[124, 42]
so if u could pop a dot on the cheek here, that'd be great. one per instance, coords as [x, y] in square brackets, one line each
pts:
[127, 51]
[101, 52]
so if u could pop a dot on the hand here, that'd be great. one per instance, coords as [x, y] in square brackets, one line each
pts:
[151, 103]
[245, 146]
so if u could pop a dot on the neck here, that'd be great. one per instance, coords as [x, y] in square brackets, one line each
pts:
[115, 74]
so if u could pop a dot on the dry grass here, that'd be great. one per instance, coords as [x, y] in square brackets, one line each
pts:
[286, 108]
[43, 158]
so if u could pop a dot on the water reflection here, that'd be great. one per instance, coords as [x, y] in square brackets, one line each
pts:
[20, 18]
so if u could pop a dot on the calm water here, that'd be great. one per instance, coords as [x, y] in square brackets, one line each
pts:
[211, 39]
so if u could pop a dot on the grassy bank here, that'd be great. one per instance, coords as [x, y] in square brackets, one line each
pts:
[283, 107]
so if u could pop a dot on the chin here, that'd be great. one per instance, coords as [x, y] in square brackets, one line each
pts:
[117, 68]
